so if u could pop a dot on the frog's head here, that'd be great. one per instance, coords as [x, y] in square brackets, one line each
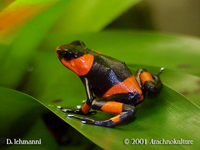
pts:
[76, 57]
[70, 51]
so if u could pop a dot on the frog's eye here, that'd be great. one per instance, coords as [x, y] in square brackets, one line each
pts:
[68, 55]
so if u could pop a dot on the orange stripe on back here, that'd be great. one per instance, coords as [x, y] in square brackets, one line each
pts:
[128, 85]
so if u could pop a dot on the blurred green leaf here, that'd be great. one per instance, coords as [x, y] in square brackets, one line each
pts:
[17, 14]
[20, 118]
[71, 16]
[21, 34]
[4, 3]
[37, 132]
[15, 58]
[16, 107]
[86, 16]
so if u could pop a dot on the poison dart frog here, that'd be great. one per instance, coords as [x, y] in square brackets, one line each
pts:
[110, 85]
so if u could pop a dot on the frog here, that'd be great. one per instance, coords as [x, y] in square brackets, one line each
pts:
[109, 84]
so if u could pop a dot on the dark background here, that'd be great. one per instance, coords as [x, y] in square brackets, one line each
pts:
[177, 16]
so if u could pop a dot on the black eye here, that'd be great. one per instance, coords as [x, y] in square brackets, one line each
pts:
[68, 55]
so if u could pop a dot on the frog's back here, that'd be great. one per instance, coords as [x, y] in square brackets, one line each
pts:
[108, 72]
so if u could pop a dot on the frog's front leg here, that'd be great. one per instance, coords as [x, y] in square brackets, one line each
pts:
[124, 111]
[85, 110]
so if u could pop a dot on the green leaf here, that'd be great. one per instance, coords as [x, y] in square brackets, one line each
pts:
[12, 102]
[20, 119]
[17, 14]
[87, 16]
[16, 56]
[4, 3]
[168, 116]
[26, 23]
[38, 131]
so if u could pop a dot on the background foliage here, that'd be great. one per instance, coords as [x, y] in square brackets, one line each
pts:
[30, 32]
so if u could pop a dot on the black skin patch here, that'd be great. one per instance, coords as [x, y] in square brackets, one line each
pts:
[112, 73]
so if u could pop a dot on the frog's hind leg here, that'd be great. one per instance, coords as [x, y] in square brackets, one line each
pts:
[124, 111]
[148, 81]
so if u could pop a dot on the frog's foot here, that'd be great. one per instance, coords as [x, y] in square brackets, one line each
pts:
[83, 120]
[105, 123]
[75, 111]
